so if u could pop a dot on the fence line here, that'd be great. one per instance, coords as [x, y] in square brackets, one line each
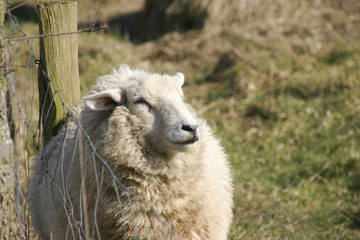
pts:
[28, 141]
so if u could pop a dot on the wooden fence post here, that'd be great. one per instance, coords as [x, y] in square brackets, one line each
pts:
[3, 89]
[58, 64]
[5, 140]
[7, 191]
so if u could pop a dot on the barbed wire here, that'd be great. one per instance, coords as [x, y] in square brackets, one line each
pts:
[14, 39]
[28, 141]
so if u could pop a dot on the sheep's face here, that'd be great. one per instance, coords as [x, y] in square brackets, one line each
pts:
[158, 102]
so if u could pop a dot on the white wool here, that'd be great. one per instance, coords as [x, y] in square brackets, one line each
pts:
[156, 147]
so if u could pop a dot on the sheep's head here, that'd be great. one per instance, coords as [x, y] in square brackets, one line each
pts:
[156, 100]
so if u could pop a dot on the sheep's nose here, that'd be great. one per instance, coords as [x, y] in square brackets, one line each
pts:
[192, 129]
[189, 128]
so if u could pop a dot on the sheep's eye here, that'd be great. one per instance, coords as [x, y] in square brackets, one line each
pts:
[143, 101]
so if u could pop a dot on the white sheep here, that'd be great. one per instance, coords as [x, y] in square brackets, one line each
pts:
[144, 168]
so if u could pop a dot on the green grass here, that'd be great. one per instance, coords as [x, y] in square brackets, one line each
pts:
[294, 148]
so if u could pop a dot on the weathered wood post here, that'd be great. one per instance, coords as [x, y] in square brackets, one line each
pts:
[7, 190]
[3, 85]
[58, 64]
[5, 140]
[2, 50]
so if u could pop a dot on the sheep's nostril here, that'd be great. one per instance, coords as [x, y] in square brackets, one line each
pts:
[189, 128]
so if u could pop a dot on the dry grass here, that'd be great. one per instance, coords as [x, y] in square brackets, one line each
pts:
[296, 27]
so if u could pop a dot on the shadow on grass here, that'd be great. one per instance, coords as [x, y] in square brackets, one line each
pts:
[256, 110]
[353, 185]
[137, 27]
[306, 92]
[24, 13]
[355, 221]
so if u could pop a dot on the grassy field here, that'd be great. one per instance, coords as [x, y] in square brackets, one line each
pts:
[296, 152]
[293, 141]
[283, 95]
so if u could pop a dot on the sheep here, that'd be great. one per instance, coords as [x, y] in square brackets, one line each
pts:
[133, 162]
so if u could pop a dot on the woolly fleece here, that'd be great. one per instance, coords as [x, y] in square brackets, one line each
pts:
[185, 190]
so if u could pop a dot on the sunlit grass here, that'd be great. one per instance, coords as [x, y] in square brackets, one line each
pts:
[294, 147]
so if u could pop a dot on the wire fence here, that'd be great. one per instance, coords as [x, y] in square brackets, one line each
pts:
[22, 144]
[19, 135]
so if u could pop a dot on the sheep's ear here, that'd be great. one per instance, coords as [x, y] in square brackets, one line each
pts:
[105, 100]
[179, 77]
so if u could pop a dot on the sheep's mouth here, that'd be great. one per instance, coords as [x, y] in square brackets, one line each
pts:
[184, 143]
[189, 141]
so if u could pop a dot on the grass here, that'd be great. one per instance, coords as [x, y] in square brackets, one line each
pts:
[289, 121]
[294, 147]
